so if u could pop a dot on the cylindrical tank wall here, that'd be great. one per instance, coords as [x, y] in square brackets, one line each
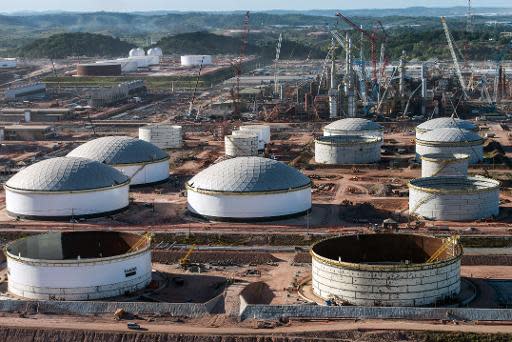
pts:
[249, 206]
[98, 69]
[163, 136]
[79, 280]
[336, 150]
[438, 165]
[263, 132]
[241, 145]
[454, 198]
[66, 204]
[196, 60]
[414, 287]
[475, 152]
[145, 173]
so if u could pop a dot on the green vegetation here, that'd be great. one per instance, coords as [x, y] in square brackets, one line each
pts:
[75, 44]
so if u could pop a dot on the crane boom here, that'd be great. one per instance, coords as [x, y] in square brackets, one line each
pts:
[276, 71]
[454, 57]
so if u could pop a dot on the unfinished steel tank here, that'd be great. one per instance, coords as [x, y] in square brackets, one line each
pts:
[451, 140]
[78, 265]
[162, 135]
[263, 132]
[241, 144]
[454, 198]
[354, 126]
[444, 164]
[385, 270]
[347, 149]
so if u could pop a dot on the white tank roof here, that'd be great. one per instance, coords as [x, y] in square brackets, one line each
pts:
[450, 135]
[447, 122]
[354, 124]
[249, 174]
[116, 150]
[156, 51]
[66, 174]
[138, 52]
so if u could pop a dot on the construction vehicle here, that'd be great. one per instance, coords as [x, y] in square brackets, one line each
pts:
[450, 242]
[185, 260]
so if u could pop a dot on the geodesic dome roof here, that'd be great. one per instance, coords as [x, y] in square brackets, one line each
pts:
[353, 124]
[447, 122]
[450, 135]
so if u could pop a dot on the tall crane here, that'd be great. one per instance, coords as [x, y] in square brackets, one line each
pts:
[238, 65]
[449, 39]
[371, 36]
[276, 70]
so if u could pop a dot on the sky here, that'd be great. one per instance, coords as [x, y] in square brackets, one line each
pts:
[228, 5]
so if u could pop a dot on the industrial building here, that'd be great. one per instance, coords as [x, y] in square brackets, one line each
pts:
[79, 265]
[111, 95]
[142, 162]
[241, 144]
[162, 135]
[27, 132]
[249, 188]
[29, 114]
[451, 140]
[66, 187]
[347, 149]
[263, 132]
[196, 60]
[8, 63]
[26, 92]
[444, 164]
[99, 69]
[454, 198]
[445, 122]
[386, 270]
[354, 126]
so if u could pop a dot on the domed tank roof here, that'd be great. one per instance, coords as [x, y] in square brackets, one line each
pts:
[66, 174]
[447, 122]
[248, 174]
[137, 52]
[156, 51]
[353, 124]
[450, 135]
[118, 150]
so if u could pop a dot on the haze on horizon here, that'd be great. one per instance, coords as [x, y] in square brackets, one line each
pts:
[230, 5]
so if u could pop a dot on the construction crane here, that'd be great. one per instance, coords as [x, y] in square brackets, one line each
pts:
[371, 36]
[384, 60]
[238, 65]
[276, 70]
[191, 107]
[185, 260]
[450, 242]
[449, 39]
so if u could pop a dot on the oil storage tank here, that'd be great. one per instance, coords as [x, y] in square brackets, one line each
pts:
[445, 122]
[454, 198]
[99, 69]
[385, 270]
[241, 144]
[84, 265]
[66, 187]
[263, 132]
[142, 162]
[444, 164]
[347, 149]
[162, 135]
[451, 140]
[354, 126]
[249, 188]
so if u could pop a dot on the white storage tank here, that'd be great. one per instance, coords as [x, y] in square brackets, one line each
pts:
[263, 132]
[249, 188]
[347, 149]
[243, 144]
[84, 265]
[196, 60]
[451, 140]
[454, 198]
[444, 164]
[354, 126]
[66, 187]
[138, 52]
[445, 122]
[142, 162]
[162, 136]
[385, 270]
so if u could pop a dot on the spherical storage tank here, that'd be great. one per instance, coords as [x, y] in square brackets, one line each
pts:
[347, 149]
[444, 164]
[78, 265]
[162, 136]
[142, 162]
[263, 132]
[249, 188]
[66, 187]
[138, 52]
[354, 126]
[196, 60]
[242, 144]
[156, 51]
[454, 198]
[446, 122]
[385, 270]
[451, 140]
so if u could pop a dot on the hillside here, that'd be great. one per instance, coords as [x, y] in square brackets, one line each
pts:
[75, 44]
